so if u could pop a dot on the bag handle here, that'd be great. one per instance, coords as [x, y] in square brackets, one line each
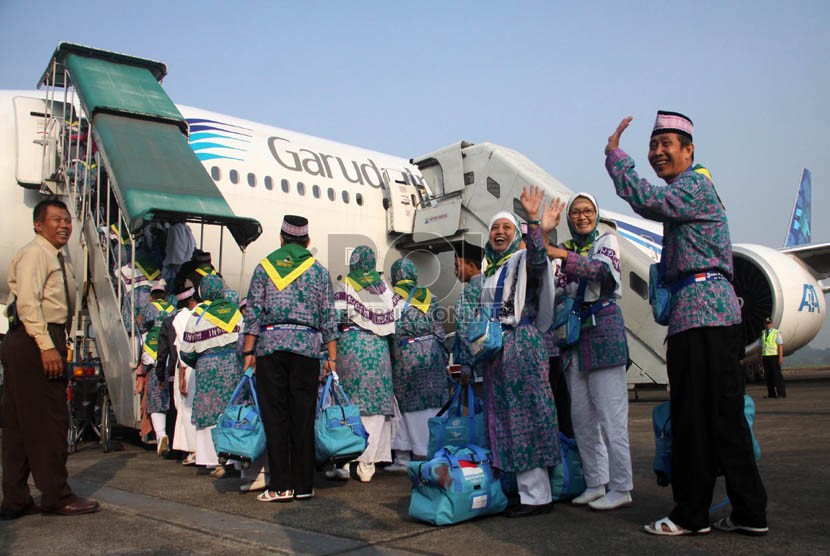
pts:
[456, 388]
[325, 393]
[249, 380]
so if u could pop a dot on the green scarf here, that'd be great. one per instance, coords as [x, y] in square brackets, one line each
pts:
[287, 263]
[359, 279]
[221, 313]
[420, 299]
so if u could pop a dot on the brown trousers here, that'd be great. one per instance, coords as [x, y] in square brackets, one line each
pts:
[35, 425]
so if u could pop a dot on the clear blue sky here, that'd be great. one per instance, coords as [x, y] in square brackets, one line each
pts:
[549, 79]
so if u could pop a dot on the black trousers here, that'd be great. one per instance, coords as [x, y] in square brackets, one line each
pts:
[775, 380]
[287, 393]
[561, 396]
[36, 421]
[710, 435]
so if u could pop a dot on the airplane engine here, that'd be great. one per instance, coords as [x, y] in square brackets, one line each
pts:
[771, 283]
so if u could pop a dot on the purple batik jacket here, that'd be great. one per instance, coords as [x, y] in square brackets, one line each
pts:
[695, 239]
[308, 301]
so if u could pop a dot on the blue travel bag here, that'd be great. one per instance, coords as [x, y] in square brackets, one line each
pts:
[240, 434]
[338, 431]
[454, 486]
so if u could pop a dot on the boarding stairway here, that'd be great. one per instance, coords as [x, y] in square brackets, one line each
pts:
[470, 183]
[115, 149]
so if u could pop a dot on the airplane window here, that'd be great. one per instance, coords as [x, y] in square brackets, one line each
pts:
[493, 187]
[234, 175]
[638, 285]
[269, 183]
[251, 179]
[315, 190]
[284, 184]
[331, 194]
[301, 188]
[359, 199]
[346, 197]
[215, 173]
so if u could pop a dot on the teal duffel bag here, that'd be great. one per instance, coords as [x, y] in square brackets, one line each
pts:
[456, 485]
[566, 479]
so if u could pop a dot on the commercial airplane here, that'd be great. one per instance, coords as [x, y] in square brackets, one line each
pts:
[351, 196]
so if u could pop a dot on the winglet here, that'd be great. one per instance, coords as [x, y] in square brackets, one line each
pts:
[799, 232]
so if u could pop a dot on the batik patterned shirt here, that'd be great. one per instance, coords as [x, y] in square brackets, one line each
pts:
[307, 301]
[695, 239]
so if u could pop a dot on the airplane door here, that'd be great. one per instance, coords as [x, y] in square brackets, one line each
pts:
[31, 135]
[400, 201]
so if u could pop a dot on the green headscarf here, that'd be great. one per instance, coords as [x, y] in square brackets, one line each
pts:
[362, 268]
[405, 278]
[494, 259]
[581, 243]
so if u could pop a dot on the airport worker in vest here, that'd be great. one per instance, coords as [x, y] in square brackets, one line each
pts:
[468, 258]
[419, 363]
[367, 322]
[521, 414]
[152, 377]
[210, 346]
[292, 319]
[34, 357]
[772, 355]
[710, 433]
[595, 366]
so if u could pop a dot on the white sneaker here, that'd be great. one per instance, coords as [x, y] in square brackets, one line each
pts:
[365, 471]
[338, 474]
[611, 501]
[590, 494]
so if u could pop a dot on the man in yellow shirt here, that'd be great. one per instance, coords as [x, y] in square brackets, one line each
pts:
[33, 356]
[772, 355]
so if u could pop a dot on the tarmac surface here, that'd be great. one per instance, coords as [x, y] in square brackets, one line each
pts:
[155, 506]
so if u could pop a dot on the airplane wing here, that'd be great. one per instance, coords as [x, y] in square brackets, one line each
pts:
[816, 257]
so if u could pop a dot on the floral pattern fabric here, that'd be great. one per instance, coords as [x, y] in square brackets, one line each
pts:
[365, 371]
[521, 414]
[419, 360]
[695, 239]
[308, 301]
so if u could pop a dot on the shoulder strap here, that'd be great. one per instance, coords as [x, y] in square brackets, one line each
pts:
[499, 292]
[580, 293]
[408, 299]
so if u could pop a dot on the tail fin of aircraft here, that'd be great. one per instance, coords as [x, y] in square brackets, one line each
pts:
[799, 232]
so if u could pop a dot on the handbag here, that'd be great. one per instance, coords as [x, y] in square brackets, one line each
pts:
[450, 427]
[456, 485]
[339, 434]
[568, 318]
[659, 293]
[484, 332]
[240, 434]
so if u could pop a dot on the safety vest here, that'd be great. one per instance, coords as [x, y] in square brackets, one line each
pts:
[769, 342]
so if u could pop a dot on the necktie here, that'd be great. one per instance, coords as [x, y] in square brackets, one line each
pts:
[66, 293]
